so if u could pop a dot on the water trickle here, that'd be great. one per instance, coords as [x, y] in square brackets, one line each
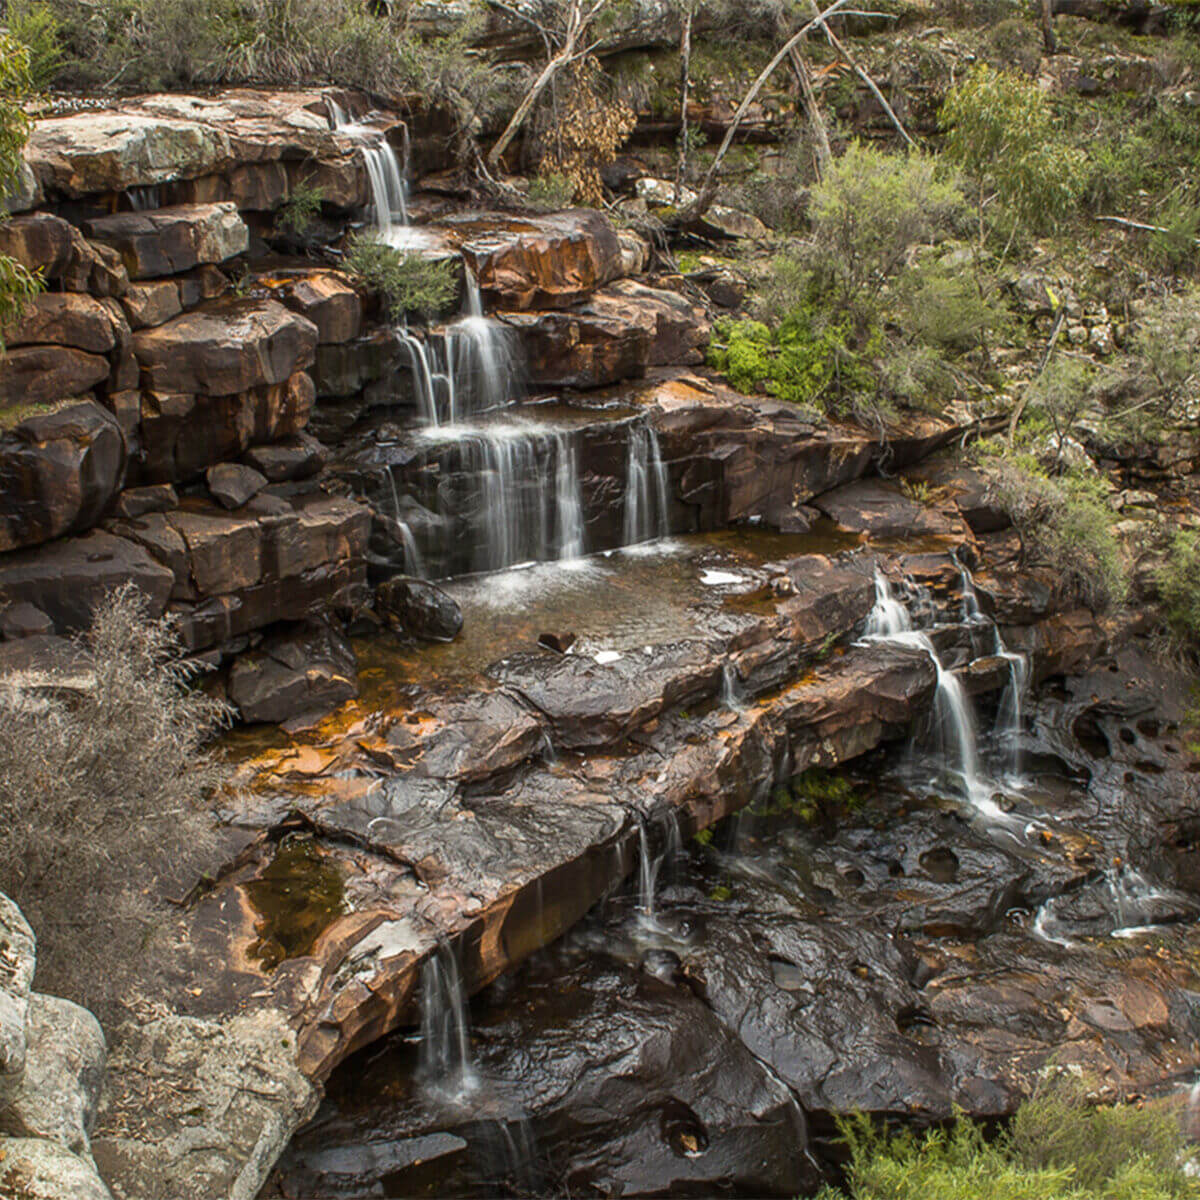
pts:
[143, 197]
[445, 1055]
[731, 688]
[650, 866]
[647, 512]
[568, 501]
[389, 195]
[413, 562]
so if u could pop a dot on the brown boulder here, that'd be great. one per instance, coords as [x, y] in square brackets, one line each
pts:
[58, 471]
[681, 328]
[225, 347]
[64, 319]
[326, 299]
[33, 375]
[582, 349]
[166, 241]
[151, 303]
[45, 242]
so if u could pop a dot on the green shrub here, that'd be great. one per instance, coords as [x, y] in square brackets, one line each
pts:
[300, 209]
[407, 283]
[37, 26]
[1179, 585]
[1060, 395]
[1058, 1147]
[1063, 521]
[550, 191]
[944, 306]
[1001, 132]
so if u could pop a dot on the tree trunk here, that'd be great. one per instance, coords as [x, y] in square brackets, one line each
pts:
[1049, 41]
[685, 87]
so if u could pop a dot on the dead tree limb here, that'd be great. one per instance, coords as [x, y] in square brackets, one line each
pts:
[705, 197]
[685, 86]
[837, 44]
[812, 110]
[578, 20]
[1049, 41]
[1126, 223]
[1059, 321]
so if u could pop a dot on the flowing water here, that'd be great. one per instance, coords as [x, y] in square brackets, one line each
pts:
[446, 1063]
[647, 513]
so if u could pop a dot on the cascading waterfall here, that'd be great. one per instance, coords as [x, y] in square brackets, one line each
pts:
[568, 500]
[389, 195]
[650, 866]
[647, 515]
[413, 563]
[445, 1054]
[954, 717]
[731, 688]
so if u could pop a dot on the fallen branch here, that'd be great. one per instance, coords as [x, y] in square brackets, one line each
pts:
[1059, 322]
[813, 112]
[1126, 223]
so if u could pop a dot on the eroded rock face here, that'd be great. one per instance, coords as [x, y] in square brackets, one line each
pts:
[224, 1099]
[64, 319]
[168, 241]
[58, 472]
[31, 376]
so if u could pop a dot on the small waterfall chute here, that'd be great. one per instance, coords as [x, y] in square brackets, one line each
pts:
[647, 515]
[445, 1053]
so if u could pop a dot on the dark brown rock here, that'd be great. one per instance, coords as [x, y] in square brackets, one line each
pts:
[306, 671]
[327, 299]
[58, 471]
[418, 607]
[24, 620]
[40, 241]
[64, 319]
[225, 347]
[232, 484]
[167, 241]
[33, 375]
[152, 302]
[67, 578]
[582, 349]
[154, 498]
[296, 457]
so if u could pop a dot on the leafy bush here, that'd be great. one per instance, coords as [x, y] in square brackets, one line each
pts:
[37, 27]
[1001, 132]
[1063, 521]
[1057, 1148]
[868, 212]
[408, 283]
[300, 209]
[102, 778]
[1060, 395]
[1179, 585]
[550, 191]
[17, 285]
[945, 307]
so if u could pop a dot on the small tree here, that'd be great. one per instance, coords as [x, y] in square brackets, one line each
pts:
[103, 775]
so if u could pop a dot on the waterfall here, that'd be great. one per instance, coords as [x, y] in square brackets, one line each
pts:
[650, 865]
[954, 717]
[731, 688]
[567, 498]
[413, 563]
[445, 1055]
[389, 195]
[647, 512]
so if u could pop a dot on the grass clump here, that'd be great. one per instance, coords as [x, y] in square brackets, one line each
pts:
[1179, 586]
[298, 212]
[407, 283]
[1057, 1147]
[550, 191]
[103, 776]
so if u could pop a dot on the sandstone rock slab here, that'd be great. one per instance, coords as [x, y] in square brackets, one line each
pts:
[168, 241]
[64, 319]
[33, 375]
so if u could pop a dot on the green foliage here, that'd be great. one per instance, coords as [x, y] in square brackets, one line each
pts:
[1173, 248]
[1058, 1148]
[1060, 395]
[868, 212]
[1179, 586]
[831, 793]
[1001, 132]
[36, 25]
[550, 191]
[301, 208]
[1063, 521]
[408, 283]
[944, 306]
[17, 284]
[1167, 347]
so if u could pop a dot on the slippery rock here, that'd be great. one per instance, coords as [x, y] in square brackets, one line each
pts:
[34, 1169]
[418, 607]
[17, 958]
[167, 241]
[58, 472]
[225, 347]
[310, 670]
[23, 620]
[64, 1069]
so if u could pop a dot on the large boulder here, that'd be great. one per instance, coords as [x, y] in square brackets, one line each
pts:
[167, 241]
[538, 262]
[64, 1069]
[17, 960]
[583, 348]
[225, 347]
[58, 471]
[46, 243]
[418, 607]
[35, 1169]
[326, 299]
[307, 671]
[33, 375]
[67, 578]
